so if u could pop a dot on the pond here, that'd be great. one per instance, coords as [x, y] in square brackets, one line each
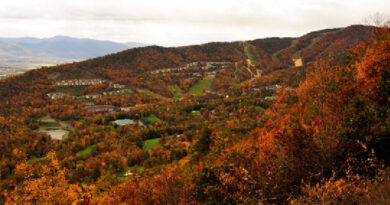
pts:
[123, 122]
[56, 134]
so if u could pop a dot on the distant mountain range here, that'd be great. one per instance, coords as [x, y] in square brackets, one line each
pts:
[25, 53]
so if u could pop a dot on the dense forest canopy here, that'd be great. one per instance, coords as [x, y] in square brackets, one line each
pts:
[270, 121]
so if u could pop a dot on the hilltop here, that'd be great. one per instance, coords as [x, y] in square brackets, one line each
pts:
[282, 61]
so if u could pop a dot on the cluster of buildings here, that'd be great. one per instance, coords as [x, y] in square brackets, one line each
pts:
[60, 95]
[107, 93]
[79, 82]
[86, 82]
[55, 95]
[213, 92]
[202, 65]
[117, 92]
[274, 87]
[100, 108]
[116, 86]
[126, 109]
[90, 106]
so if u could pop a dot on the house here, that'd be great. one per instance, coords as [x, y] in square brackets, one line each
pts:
[126, 109]
[128, 173]
[100, 108]
[92, 96]
[88, 103]
[117, 86]
[139, 123]
[55, 95]
[273, 87]
[196, 74]
[212, 92]
[193, 64]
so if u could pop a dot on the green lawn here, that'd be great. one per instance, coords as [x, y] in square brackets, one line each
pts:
[201, 85]
[196, 112]
[151, 119]
[149, 144]
[86, 150]
[176, 92]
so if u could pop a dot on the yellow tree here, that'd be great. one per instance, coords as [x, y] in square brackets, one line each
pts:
[46, 184]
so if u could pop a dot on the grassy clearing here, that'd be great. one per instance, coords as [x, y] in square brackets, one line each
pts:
[253, 55]
[125, 173]
[176, 92]
[149, 144]
[196, 112]
[297, 54]
[151, 119]
[202, 85]
[259, 109]
[35, 159]
[313, 41]
[150, 93]
[249, 52]
[86, 150]
[275, 55]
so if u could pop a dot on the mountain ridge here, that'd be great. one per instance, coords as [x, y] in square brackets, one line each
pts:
[281, 61]
[23, 53]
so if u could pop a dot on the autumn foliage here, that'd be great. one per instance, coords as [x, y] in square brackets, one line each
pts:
[299, 135]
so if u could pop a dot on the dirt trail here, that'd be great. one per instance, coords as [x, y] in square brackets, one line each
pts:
[249, 62]
[250, 71]
[298, 62]
[258, 73]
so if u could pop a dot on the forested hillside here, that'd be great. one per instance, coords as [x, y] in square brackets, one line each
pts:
[270, 121]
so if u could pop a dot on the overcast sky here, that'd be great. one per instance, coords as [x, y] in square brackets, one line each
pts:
[180, 22]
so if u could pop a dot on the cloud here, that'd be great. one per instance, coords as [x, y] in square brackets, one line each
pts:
[178, 22]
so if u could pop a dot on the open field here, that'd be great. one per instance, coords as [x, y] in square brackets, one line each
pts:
[149, 144]
[249, 53]
[202, 85]
[129, 172]
[196, 112]
[151, 119]
[176, 92]
[86, 150]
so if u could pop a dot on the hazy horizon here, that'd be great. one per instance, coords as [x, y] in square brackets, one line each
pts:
[178, 23]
